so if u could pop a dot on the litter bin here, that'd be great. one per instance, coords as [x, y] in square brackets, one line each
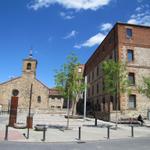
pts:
[30, 121]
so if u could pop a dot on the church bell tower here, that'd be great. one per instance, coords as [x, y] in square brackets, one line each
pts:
[29, 66]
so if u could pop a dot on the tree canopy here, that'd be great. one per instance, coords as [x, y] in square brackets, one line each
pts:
[115, 77]
[69, 81]
[145, 87]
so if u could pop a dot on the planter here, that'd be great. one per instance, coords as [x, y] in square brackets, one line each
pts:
[40, 127]
[20, 125]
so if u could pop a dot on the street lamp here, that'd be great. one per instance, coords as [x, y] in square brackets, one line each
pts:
[85, 92]
[29, 112]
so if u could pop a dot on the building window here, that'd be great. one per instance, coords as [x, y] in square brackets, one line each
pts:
[97, 70]
[97, 88]
[110, 57]
[103, 83]
[88, 92]
[29, 66]
[103, 103]
[93, 75]
[111, 99]
[132, 102]
[98, 105]
[131, 78]
[89, 77]
[110, 40]
[92, 90]
[130, 55]
[129, 33]
[52, 106]
[39, 99]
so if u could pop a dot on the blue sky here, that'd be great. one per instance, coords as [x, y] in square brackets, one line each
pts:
[55, 28]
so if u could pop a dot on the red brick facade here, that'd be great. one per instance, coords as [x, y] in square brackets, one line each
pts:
[115, 46]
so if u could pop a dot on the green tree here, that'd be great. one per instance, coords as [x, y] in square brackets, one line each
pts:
[70, 81]
[145, 87]
[115, 80]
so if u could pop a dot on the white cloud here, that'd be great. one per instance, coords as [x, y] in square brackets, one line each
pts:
[70, 4]
[73, 33]
[141, 16]
[94, 40]
[98, 38]
[66, 16]
[138, 9]
[105, 27]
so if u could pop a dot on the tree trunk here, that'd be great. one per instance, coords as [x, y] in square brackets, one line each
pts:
[74, 106]
[68, 110]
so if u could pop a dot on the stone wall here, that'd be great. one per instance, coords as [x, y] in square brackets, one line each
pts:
[24, 85]
[56, 102]
[140, 67]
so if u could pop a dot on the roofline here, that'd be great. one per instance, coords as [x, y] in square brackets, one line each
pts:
[54, 88]
[21, 77]
[42, 83]
[100, 44]
[117, 23]
[130, 24]
[29, 59]
[10, 80]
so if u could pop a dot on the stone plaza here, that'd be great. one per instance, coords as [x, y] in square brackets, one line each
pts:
[56, 129]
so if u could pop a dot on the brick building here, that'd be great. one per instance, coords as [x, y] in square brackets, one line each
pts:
[128, 43]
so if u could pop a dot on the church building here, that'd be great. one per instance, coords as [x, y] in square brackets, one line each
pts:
[40, 93]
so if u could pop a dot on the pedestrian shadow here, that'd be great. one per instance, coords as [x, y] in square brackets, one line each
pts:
[98, 126]
[101, 126]
[59, 127]
[56, 126]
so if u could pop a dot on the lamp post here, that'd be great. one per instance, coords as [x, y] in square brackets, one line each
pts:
[117, 104]
[85, 92]
[29, 112]
[116, 123]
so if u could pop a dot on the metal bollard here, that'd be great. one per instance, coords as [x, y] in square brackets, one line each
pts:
[6, 133]
[108, 132]
[44, 133]
[95, 121]
[79, 133]
[28, 131]
[132, 131]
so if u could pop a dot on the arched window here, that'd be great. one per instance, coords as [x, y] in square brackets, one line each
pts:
[39, 99]
[29, 66]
